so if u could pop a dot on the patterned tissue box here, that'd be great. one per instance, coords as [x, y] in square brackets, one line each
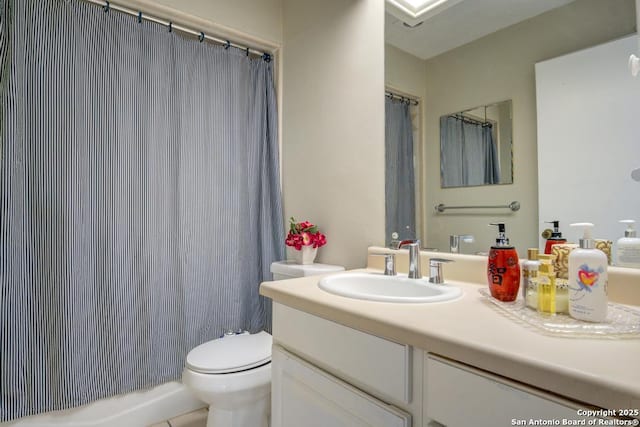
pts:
[561, 252]
[604, 246]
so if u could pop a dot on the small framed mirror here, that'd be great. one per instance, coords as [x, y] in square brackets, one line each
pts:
[476, 146]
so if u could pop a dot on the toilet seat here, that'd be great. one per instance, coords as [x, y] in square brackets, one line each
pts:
[230, 354]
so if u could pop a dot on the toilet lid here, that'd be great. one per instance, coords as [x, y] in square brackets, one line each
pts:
[231, 353]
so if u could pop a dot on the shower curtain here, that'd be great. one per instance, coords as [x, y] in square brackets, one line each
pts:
[468, 153]
[400, 202]
[139, 201]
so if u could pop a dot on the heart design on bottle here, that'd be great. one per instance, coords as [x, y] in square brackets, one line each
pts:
[588, 278]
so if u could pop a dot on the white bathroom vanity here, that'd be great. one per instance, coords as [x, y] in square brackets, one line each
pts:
[345, 362]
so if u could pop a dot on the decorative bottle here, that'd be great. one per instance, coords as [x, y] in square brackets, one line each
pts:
[529, 273]
[587, 279]
[556, 237]
[546, 285]
[628, 250]
[503, 268]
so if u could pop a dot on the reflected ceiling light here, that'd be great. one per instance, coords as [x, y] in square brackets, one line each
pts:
[415, 10]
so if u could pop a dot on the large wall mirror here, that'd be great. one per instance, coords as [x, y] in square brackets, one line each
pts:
[493, 59]
[476, 146]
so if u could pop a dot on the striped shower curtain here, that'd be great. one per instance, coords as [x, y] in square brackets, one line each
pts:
[139, 201]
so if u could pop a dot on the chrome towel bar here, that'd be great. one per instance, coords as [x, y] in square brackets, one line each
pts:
[514, 206]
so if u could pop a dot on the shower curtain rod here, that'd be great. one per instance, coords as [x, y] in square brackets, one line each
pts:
[469, 120]
[401, 97]
[108, 6]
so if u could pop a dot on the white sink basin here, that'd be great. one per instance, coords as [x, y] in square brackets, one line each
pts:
[378, 287]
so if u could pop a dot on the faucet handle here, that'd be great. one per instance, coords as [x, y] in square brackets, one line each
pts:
[435, 270]
[456, 239]
[410, 242]
[389, 264]
[395, 242]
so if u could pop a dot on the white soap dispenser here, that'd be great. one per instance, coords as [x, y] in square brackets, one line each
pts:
[628, 253]
[587, 279]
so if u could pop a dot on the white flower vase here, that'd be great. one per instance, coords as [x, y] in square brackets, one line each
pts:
[306, 255]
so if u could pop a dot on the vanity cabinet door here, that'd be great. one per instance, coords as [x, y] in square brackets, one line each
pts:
[304, 395]
[373, 364]
[457, 395]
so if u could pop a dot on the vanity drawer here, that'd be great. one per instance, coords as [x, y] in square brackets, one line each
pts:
[460, 395]
[373, 364]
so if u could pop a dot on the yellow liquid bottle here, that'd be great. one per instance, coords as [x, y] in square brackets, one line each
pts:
[546, 285]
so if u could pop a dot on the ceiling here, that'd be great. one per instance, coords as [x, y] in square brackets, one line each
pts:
[458, 24]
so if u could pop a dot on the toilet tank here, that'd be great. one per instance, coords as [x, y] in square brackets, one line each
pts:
[282, 270]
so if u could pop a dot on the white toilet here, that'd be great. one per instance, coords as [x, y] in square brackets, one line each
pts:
[233, 376]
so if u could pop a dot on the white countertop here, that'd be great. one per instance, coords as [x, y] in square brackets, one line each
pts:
[600, 372]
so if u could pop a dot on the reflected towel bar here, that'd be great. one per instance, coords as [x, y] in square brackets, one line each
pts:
[514, 206]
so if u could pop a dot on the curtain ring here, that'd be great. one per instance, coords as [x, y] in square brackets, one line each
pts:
[247, 51]
[170, 26]
[227, 45]
[106, 7]
[266, 57]
[201, 37]
[139, 17]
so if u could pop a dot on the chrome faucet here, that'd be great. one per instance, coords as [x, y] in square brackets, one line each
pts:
[414, 257]
[455, 240]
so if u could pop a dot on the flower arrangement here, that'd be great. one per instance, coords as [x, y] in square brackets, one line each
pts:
[304, 234]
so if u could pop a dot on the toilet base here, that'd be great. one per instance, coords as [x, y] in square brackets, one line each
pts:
[258, 414]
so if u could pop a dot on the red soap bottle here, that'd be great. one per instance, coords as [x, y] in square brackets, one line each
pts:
[503, 269]
[556, 236]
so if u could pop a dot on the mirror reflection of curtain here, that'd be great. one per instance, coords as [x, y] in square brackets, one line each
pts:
[400, 207]
[468, 153]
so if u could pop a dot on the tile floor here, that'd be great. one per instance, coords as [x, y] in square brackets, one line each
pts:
[192, 419]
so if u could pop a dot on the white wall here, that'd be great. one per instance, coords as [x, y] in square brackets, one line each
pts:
[261, 19]
[403, 71]
[333, 123]
[495, 68]
[590, 102]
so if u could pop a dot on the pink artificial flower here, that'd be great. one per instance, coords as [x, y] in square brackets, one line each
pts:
[294, 240]
[307, 238]
[304, 234]
[319, 240]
